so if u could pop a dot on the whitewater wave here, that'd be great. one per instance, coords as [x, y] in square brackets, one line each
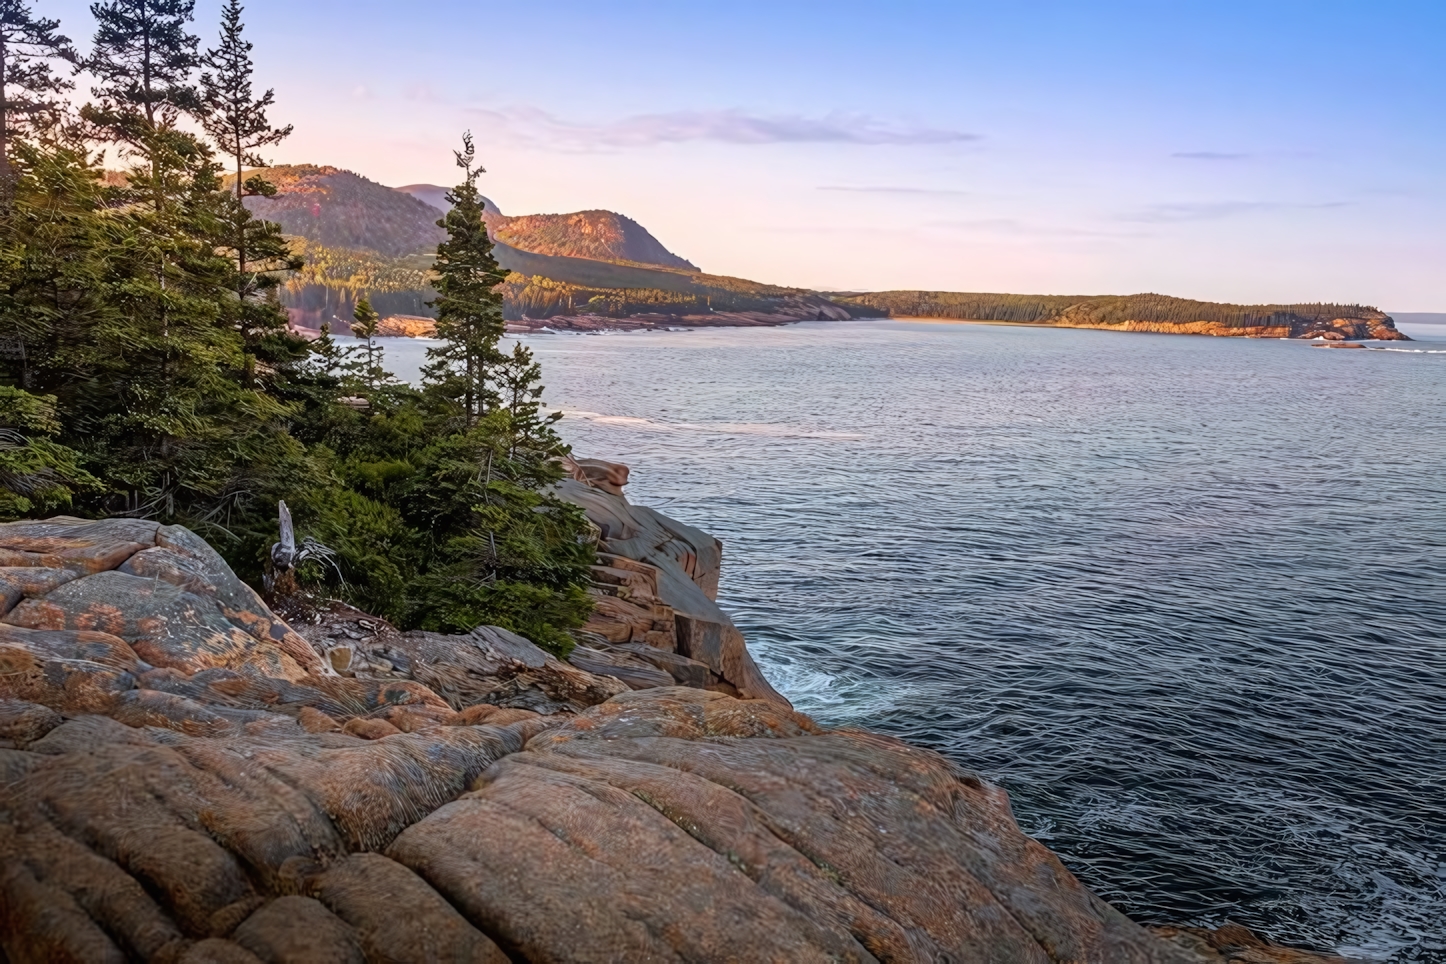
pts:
[774, 429]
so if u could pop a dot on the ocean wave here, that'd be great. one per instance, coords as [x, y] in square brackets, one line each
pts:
[1198, 642]
[773, 429]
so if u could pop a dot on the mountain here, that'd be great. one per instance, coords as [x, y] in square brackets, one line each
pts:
[360, 238]
[592, 269]
[340, 209]
[436, 196]
[596, 235]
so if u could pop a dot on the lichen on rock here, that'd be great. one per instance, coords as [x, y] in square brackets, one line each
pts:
[180, 781]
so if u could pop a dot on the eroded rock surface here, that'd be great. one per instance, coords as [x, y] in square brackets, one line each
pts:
[437, 799]
[488, 665]
[656, 589]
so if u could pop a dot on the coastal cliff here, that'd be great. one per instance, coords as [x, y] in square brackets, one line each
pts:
[187, 777]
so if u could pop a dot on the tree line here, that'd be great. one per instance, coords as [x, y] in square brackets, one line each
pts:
[1100, 309]
[147, 368]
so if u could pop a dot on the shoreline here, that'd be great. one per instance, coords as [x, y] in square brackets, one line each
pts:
[599, 324]
[1196, 328]
[459, 777]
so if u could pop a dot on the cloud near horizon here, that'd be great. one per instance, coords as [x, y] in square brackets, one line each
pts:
[535, 126]
[1216, 210]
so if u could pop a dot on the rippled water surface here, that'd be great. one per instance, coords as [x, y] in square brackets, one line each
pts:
[1185, 598]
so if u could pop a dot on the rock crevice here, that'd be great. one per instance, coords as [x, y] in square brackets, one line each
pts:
[186, 778]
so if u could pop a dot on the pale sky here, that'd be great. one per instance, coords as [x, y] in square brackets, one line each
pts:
[1263, 151]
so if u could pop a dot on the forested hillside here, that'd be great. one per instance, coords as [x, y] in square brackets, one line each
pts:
[338, 209]
[1137, 312]
[598, 235]
[359, 239]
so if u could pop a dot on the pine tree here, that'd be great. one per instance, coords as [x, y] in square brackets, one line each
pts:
[532, 443]
[28, 84]
[143, 58]
[38, 476]
[469, 308]
[53, 243]
[234, 115]
[364, 325]
[237, 119]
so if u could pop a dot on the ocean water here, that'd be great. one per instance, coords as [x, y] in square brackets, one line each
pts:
[1184, 598]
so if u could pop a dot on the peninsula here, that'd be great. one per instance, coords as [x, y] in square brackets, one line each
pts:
[597, 270]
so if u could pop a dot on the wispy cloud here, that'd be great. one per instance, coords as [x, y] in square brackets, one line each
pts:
[1013, 228]
[885, 189]
[532, 125]
[1219, 210]
[1209, 156]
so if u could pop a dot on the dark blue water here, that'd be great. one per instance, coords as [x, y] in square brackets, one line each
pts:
[1185, 598]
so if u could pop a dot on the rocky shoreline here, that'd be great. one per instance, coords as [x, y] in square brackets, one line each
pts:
[1338, 330]
[790, 312]
[187, 776]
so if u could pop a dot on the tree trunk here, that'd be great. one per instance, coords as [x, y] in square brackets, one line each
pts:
[6, 186]
[240, 230]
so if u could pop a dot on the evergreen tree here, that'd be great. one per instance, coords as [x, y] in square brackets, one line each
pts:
[500, 548]
[132, 383]
[143, 57]
[364, 325]
[53, 242]
[234, 115]
[532, 444]
[28, 84]
[38, 476]
[115, 312]
[237, 120]
[469, 308]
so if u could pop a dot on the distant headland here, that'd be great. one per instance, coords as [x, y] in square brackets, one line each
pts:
[598, 270]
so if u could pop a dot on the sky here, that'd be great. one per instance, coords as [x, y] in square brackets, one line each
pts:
[1267, 151]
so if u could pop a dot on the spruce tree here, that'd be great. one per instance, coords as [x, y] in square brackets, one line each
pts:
[38, 476]
[233, 114]
[532, 443]
[237, 120]
[143, 57]
[29, 85]
[469, 308]
[364, 325]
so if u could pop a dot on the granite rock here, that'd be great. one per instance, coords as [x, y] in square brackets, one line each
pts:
[658, 584]
[470, 798]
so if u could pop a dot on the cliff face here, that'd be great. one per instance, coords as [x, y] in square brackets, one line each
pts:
[186, 778]
[656, 588]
